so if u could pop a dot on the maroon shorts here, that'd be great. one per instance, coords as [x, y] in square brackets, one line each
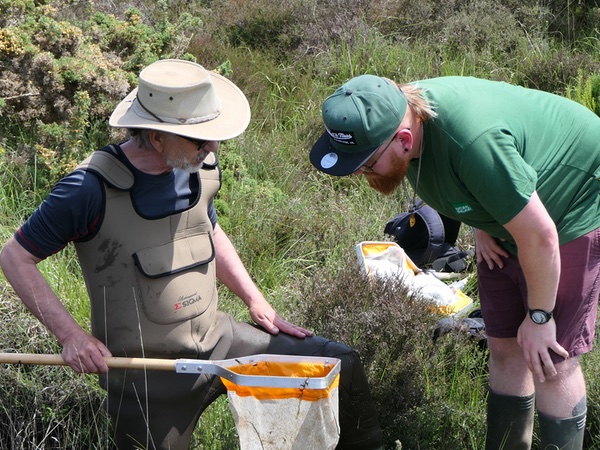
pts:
[503, 296]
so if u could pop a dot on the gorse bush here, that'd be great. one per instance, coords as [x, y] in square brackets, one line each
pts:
[48, 61]
[60, 79]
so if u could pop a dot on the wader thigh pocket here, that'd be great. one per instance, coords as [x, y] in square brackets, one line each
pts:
[177, 280]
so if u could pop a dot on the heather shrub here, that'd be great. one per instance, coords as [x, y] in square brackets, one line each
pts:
[260, 26]
[571, 21]
[554, 70]
[412, 377]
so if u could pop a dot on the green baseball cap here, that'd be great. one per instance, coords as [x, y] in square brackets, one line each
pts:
[359, 116]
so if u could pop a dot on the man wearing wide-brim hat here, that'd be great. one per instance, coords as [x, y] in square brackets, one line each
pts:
[142, 218]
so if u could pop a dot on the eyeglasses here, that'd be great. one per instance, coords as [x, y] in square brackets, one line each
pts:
[369, 167]
[199, 142]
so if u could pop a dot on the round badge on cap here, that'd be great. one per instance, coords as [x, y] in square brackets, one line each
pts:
[329, 160]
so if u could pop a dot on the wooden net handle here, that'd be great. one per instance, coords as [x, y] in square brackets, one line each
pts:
[113, 362]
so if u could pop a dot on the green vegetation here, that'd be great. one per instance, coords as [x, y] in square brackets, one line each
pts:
[65, 64]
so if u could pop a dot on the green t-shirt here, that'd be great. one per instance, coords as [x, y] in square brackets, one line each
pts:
[493, 144]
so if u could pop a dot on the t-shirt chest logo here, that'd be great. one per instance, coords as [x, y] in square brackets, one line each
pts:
[462, 207]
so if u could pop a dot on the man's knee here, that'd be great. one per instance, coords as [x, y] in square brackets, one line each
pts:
[505, 353]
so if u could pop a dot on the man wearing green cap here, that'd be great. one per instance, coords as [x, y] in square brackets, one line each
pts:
[522, 168]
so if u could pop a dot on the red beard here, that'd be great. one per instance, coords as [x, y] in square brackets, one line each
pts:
[386, 184]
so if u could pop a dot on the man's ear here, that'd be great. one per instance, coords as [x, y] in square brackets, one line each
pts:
[157, 139]
[405, 135]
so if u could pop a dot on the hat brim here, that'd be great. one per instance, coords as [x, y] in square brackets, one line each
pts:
[330, 160]
[230, 123]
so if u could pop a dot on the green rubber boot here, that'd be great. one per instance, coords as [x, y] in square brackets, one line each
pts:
[509, 422]
[562, 434]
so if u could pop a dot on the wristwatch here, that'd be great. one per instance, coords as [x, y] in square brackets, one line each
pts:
[540, 316]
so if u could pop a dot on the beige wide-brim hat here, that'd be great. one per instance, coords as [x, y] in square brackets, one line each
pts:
[184, 98]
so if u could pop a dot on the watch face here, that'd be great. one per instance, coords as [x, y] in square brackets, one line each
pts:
[540, 317]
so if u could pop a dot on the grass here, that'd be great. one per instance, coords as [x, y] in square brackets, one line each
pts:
[295, 228]
[45, 407]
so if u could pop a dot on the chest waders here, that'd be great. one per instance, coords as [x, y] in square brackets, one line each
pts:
[152, 285]
[151, 282]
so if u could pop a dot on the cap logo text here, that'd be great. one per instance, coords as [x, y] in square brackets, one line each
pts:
[342, 137]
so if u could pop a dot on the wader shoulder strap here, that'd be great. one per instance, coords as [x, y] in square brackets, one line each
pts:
[106, 165]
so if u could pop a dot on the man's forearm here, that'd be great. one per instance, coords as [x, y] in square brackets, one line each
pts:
[539, 253]
[20, 269]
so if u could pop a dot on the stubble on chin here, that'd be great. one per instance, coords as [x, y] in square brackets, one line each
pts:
[185, 164]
